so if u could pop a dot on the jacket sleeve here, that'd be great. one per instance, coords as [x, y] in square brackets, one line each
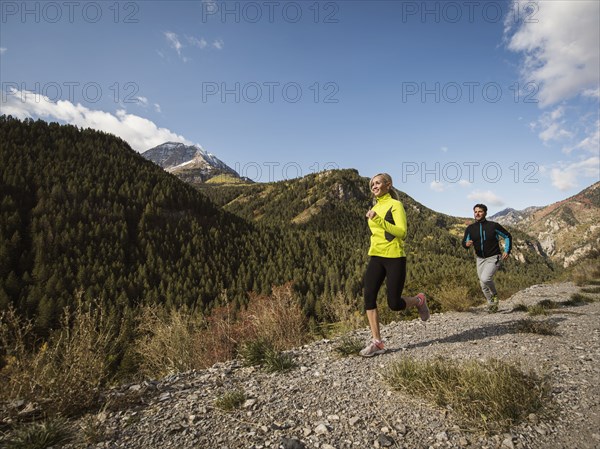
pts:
[500, 231]
[466, 237]
[398, 229]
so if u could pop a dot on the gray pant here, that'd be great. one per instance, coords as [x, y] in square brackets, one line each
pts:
[486, 269]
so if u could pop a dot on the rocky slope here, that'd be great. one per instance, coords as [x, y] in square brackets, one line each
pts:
[329, 401]
[567, 230]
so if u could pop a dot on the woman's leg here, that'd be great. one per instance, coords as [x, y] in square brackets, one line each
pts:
[374, 277]
[395, 278]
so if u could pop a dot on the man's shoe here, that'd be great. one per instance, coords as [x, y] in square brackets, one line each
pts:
[373, 348]
[422, 307]
[493, 307]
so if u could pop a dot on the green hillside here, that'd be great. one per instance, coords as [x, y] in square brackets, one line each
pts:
[82, 212]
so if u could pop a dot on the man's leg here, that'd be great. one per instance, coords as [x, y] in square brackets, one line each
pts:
[486, 269]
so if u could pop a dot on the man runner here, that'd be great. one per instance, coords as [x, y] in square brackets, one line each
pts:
[483, 235]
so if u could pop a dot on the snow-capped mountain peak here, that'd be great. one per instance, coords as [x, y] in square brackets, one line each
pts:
[177, 157]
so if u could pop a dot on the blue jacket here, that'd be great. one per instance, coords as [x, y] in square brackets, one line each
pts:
[485, 235]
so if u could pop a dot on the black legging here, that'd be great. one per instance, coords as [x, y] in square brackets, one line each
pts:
[394, 271]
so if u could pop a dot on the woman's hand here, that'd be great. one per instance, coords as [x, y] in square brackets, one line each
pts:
[371, 214]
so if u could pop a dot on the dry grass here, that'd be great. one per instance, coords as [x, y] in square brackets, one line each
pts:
[454, 297]
[490, 396]
[587, 272]
[344, 313]
[530, 326]
[51, 432]
[65, 373]
[179, 340]
[262, 353]
[349, 345]
[167, 341]
[231, 400]
[277, 318]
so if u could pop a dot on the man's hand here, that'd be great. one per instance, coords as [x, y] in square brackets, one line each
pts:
[469, 243]
[504, 256]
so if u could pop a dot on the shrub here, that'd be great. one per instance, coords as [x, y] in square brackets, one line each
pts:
[180, 340]
[253, 352]
[537, 309]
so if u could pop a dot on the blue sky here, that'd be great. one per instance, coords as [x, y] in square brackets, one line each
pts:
[461, 102]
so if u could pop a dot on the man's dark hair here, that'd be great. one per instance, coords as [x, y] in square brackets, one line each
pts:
[481, 206]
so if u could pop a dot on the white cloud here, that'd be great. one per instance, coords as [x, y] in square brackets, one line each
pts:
[552, 125]
[559, 41]
[592, 93]
[486, 196]
[437, 186]
[142, 100]
[464, 183]
[174, 42]
[218, 44]
[590, 143]
[3, 50]
[141, 133]
[565, 176]
[157, 107]
[200, 43]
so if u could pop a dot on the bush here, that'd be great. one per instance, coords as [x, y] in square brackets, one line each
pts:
[520, 308]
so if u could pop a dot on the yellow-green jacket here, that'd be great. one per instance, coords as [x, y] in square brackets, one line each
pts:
[388, 228]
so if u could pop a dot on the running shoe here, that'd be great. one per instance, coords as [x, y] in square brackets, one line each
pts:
[422, 307]
[493, 307]
[373, 348]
